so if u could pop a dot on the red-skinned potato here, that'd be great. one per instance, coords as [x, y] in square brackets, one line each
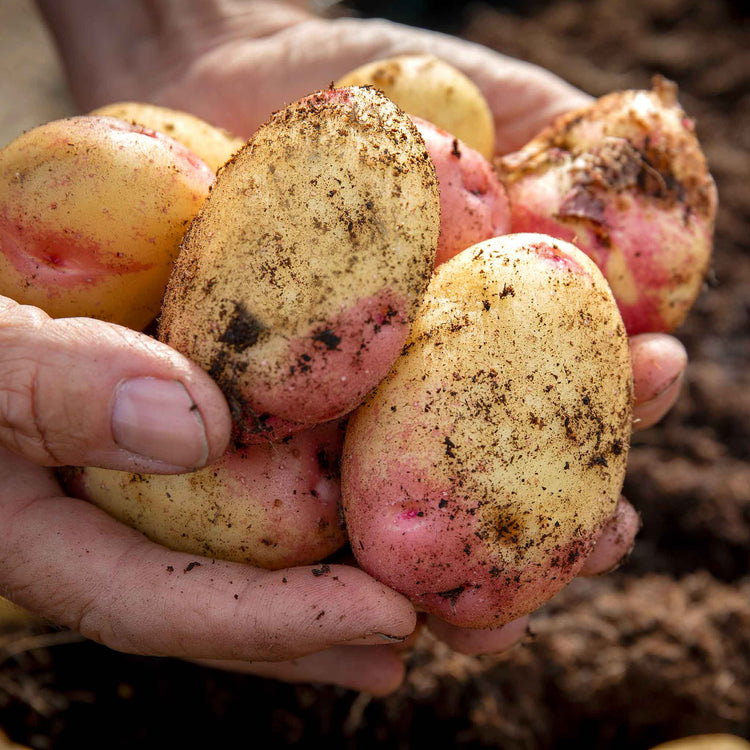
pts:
[272, 505]
[92, 211]
[473, 202]
[477, 476]
[625, 180]
[298, 280]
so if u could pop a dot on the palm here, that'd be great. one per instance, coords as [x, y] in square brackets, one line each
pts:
[238, 82]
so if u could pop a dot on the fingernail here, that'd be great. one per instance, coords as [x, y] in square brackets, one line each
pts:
[662, 388]
[159, 420]
[651, 411]
[660, 361]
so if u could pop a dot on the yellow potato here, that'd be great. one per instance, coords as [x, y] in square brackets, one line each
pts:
[92, 211]
[11, 614]
[273, 506]
[476, 477]
[297, 281]
[213, 145]
[427, 87]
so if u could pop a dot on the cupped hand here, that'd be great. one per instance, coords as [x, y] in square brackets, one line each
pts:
[82, 392]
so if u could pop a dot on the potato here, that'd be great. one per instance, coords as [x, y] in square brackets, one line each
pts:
[430, 88]
[625, 179]
[213, 145]
[473, 202]
[298, 280]
[272, 506]
[92, 211]
[477, 475]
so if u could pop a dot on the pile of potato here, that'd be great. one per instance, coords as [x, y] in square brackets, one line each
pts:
[465, 428]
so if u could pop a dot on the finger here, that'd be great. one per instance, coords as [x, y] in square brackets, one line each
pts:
[377, 670]
[614, 542]
[78, 392]
[474, 642]
[70, 562]
[659, 363]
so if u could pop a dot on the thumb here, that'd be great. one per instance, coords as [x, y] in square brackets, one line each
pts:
[77, 391]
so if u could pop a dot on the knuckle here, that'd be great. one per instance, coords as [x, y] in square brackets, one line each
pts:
[100, 619]
[22, 429]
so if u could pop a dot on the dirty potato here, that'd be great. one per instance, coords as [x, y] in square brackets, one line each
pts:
[298, 280]
[477, 475]
[626, 180]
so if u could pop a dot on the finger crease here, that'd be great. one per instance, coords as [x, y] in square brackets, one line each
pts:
[37, 425]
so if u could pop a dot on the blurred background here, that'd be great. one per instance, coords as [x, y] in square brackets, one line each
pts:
[659, 649]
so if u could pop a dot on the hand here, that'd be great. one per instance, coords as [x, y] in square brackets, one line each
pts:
[82, 392]
[65, 559]
[235, 62]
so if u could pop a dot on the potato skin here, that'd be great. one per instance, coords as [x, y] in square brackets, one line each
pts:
[626, 180]
[213, 145]
[475, 478]
[298, 280]
[272, 506]
[473, 202]
[92, 211]
[430, 88]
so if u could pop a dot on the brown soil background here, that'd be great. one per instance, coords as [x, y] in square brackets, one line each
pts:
[657, 650]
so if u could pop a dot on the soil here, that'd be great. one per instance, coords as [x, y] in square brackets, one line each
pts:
[657, 650]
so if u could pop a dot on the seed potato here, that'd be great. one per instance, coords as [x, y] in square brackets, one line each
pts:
[297, 282]
[434, 90]
[477, 475]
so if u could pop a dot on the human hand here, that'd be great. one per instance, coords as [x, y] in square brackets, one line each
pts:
[233, 67]
[82, 392]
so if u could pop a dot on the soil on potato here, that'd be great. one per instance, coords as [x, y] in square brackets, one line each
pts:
[659, 649]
